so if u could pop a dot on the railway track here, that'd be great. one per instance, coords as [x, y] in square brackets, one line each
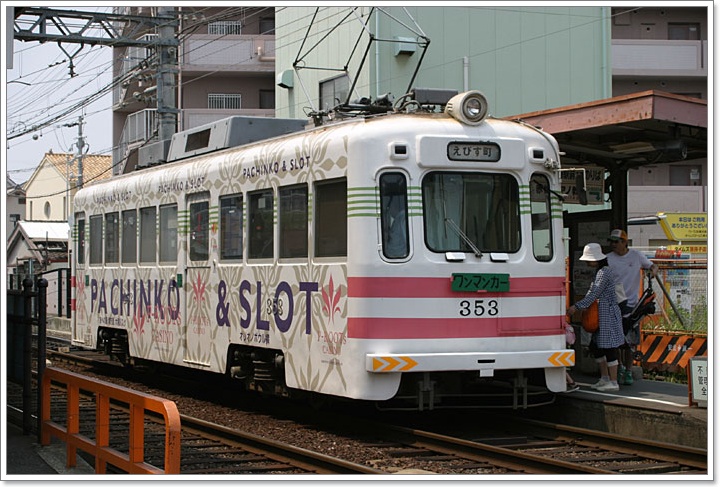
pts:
[544, 448]
[206, 448]
[522, 447]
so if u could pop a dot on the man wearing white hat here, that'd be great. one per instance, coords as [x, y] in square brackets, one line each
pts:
[627, 263]
[609, 335]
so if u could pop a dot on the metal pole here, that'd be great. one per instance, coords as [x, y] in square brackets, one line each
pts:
[80, 147]
[166, 105]
[68, 292]
[667, 296]
[42, 285]
[27, 355]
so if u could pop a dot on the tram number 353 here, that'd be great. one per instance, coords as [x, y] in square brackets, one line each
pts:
[479, 307]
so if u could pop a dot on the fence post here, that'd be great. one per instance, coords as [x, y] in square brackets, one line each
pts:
[42, 286]
[27, 355]
[68, 294]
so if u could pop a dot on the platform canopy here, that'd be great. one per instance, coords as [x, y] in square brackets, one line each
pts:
[625, 132]
[633, 130]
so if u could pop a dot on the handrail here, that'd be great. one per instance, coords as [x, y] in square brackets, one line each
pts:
[133, 461]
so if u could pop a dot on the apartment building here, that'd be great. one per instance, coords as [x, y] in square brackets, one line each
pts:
[663, 49]
[522, 58]
[525, 59]
[226, 66]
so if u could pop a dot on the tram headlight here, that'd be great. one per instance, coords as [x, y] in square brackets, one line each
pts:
[470, 107]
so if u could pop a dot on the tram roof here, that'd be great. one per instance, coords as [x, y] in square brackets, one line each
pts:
[632, 129]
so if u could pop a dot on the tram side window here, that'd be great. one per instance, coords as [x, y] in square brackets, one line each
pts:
[80, 251]
[541, 217]
[231, 227]
[168, 234]
[331, 219]
[260, 230]
[393, 198]
[96, 238]
[293, 222]
[129, 237]
[112, 238]
[148, 234]
[199, 230]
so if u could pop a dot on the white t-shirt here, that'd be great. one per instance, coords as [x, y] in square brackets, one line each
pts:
[627, 268]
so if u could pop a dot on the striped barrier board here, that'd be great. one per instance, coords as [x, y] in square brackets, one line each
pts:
[670, 350]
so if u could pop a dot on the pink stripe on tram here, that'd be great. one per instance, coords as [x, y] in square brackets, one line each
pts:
[409, 328]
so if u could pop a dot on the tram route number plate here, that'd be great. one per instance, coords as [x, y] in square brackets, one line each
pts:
[480, 282]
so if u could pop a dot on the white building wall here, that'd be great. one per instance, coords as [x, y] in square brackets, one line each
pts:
[46, 195]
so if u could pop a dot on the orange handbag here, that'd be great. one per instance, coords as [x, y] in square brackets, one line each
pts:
[591, 318]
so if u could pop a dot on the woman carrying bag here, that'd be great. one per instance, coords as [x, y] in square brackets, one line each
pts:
[609, 334]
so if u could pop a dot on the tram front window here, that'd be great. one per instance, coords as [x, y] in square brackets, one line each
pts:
[462, 210]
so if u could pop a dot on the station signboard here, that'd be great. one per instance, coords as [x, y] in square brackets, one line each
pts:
[594, 185]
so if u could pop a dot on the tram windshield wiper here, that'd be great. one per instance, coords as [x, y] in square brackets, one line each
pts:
[449, 222]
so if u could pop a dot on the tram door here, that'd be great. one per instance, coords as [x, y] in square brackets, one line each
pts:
[197, 281]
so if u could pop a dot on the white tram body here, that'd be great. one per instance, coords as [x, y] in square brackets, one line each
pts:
[408, 255]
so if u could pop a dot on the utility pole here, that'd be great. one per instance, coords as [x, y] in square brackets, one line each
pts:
[167, 69]
[80, 144]
[70, 26]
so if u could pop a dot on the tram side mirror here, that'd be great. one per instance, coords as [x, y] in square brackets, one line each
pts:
[580, 187]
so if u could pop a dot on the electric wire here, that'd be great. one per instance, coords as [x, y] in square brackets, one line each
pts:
[85, 101]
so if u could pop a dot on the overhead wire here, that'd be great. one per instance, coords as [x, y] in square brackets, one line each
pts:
[229, 14]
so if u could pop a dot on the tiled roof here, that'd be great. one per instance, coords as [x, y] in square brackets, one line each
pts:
[95, 167]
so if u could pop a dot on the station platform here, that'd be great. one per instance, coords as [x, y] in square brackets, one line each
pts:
[654, 410]
[26, 459]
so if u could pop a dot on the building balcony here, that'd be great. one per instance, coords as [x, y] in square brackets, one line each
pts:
[203, 53]
[659, 58]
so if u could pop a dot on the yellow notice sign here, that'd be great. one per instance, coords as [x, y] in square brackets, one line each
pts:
[683, 227]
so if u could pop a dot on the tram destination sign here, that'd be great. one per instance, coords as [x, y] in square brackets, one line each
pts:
[473, 151]
[480, 282]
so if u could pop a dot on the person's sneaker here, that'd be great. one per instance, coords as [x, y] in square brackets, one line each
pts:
[600, 383]
[572, 387]
[627, 378]
[621, 377]
[608, 387]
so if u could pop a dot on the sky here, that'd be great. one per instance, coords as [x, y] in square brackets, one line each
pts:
[40, 91]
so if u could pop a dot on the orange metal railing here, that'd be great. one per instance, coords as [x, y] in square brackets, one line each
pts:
[133, 461]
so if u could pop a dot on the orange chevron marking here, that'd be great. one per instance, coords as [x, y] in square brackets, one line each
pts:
[409, 363]
[562, 359]
[392, 363]
[377, 363]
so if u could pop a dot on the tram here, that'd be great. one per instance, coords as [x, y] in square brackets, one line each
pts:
[411, 256]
